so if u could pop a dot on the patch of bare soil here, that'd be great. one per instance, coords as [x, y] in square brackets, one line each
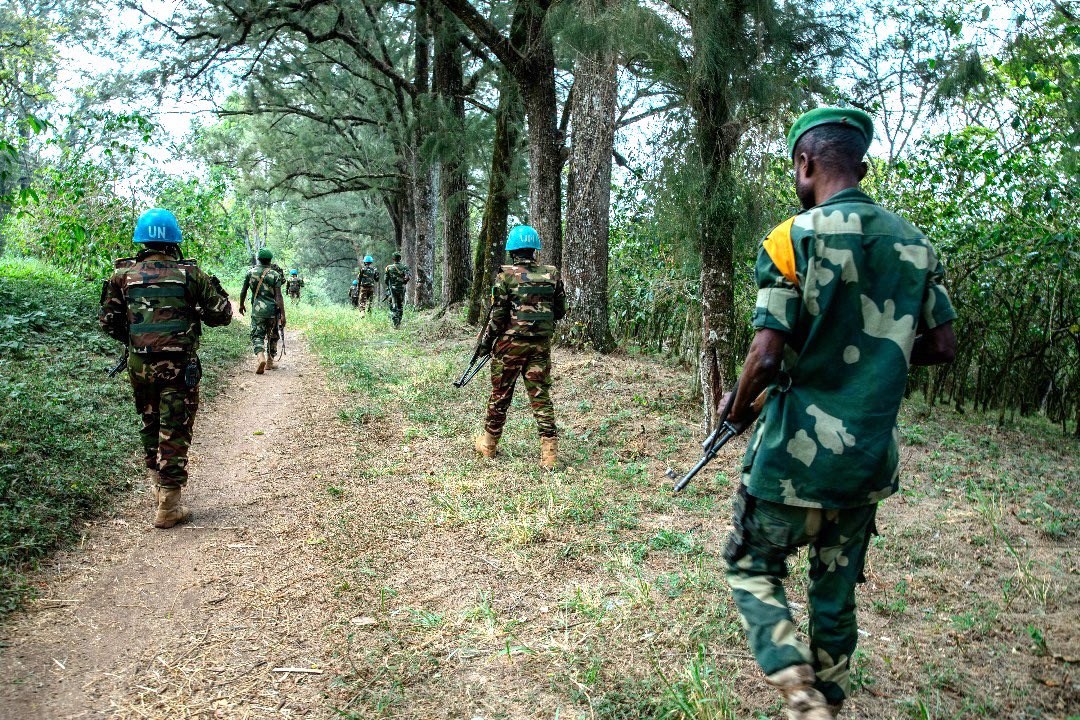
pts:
[221, 617]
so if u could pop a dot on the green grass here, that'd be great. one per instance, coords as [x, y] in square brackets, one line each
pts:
[68, 433]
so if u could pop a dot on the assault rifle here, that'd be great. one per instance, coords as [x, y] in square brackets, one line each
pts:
[281, 336]
[481, 355]
[120, 364]
[721, 434]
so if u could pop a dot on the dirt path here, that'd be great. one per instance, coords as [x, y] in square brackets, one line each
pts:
[193, 621]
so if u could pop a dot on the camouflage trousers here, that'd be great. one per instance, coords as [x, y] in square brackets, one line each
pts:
[531, 359]
[167, 406]
[397, 304]
[765, 535]
[366, 293]
[264, 335]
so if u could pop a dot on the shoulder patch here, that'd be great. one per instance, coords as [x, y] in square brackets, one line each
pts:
[780, 248]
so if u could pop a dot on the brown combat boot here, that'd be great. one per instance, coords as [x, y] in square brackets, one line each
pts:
[549, 452]
[270, 362]
[170, 511]
[485, 444]
[796, 683]
[260, 363]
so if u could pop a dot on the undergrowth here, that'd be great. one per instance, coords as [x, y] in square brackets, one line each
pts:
[68, 433]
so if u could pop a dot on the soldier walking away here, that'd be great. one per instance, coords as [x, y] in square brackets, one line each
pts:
[354, 293]
[397, 277]
[526, 302]
[293, 285]
[155, 303]
[267, 309]
[368, 277]
[844, 284]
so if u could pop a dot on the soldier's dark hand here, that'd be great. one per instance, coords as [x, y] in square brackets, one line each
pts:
[739, 421]
[283, 322]
[241, 308]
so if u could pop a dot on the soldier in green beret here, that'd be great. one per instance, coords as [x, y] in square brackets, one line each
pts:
[267, 304]
[849, 296]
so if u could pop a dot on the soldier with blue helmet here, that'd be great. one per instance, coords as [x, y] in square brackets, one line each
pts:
[526, 302]
[369, 278]
[354, 293]
[156, 304]
[293, 283]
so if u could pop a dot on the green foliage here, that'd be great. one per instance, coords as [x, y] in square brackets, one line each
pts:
[68, 433]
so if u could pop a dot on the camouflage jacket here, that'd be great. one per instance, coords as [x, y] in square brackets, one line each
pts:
[354, 291]
[397, 275]
[264, 303]
[157, 304]
[293, 284]
[526, 301]
[851, 285]
[368, 276]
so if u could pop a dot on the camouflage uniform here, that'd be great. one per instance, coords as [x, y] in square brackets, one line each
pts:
[850, 284]
[368, 277]
[156, 305]
[526, 302]
[354, 294]
[264, 309]
[397, 276]
[293, 285]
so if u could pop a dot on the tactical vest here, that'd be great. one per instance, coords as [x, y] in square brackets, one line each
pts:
[161, 312]
[292, 285]
[367, 276]
[532, 299]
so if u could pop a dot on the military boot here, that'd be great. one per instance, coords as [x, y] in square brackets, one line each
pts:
[796, 683]
[549, 452]
[270, 362]
[169, 511]
[485, 444]
[260, 363]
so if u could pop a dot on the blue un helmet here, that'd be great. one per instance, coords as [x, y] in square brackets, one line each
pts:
[368, 258]
[157, 226]
[355, 282]
[293, 272]
[522, 237]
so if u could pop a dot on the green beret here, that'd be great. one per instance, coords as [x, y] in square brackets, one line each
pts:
[265, 254]
[829, 116]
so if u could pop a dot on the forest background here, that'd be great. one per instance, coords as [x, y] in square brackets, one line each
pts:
[644, 140]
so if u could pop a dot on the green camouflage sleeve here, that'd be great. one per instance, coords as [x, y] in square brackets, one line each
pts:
[937, 308]
[500, 308]
[778, 299]
[112, 315]
[214, 307]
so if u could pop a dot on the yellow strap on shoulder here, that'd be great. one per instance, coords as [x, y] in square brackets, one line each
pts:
[782, 251]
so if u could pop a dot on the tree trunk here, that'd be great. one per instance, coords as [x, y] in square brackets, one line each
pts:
[490, 244]
[536, 78]
[585, 262]
[453, 182]
[421, 289]
[717, 137]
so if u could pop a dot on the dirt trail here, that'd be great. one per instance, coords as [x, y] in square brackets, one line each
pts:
[193, 621]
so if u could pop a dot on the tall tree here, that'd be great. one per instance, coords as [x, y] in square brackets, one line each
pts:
[453, 180]
[593, 104]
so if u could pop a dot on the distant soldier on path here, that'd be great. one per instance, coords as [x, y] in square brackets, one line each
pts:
[849, 296]
[369, 278]
[354, 293]
[526, 302]
[155, 303]
[267, 309]
[293, 285]
[397, 277]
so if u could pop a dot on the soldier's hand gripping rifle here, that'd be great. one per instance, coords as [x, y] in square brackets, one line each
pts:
[480, 356]
[120, 364]
[721, 434]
